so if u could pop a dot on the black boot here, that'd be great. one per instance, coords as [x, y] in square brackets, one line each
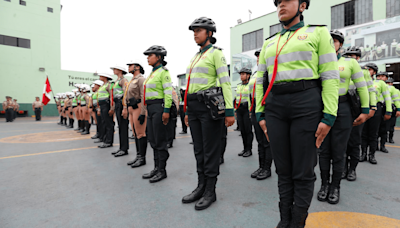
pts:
[142, 152]
[153, 172]
[198, 192]
[209, 195]
[285, 210]
[391, 137]
[95, 136]
[266, 172]
[65, 121]
[160, 175]
[324, 191]
[363, 156]
[79, 126]
[82, 129]
[72, 123]
[299, 216]
[247, 154]
[61, 119]
[352, 176]
[261, 161]
[372, 159]
[87, 128]
[383, 149]
[241, 153]
[334, 191]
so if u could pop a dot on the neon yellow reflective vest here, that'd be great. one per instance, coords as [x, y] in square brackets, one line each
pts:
[207, 71]
[371, 89]
[382, 92]
[349, 69]
[395, 95]
[159, 86]
[242, 95]
[310, 54]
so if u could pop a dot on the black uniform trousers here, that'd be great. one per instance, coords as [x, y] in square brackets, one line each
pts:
[108, 123]
[171, 129]
[9, 114]
[353, 147]
[292, 120]
[14, 114]
[123, 125]
[383, 130]
[206, 135]
[38, 113]
[391, 126]
[100, 127]
[157, 133]
[224, 138]
[333, 148]
[264, 149]
[182, 115]
[244, 121]
[370, 131]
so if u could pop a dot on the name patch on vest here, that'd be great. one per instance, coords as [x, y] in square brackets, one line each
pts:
[341, 68]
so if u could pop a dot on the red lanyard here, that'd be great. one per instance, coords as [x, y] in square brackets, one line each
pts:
[275, 67]
[188, 82]
[240, 99]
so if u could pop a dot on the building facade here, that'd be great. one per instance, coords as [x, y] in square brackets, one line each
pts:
[30, 50]
[373, 25]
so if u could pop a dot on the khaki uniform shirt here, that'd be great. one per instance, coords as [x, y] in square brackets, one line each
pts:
[16, 106]
[136, 90]
[175, 99]
[7, 105]
[37, 104]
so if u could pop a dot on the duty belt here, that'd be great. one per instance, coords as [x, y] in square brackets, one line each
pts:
[155, 101]
[294, 87]
[342, 99]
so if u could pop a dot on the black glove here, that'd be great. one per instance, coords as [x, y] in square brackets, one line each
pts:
[141, 119]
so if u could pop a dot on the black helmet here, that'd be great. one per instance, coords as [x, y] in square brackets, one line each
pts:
[337, 35]
[300, 1]
[257, 53]
[245, 70]
[203, 22]
[372, 66]
[383, 73]
[354, 50]
[155, 49]
[390, 80]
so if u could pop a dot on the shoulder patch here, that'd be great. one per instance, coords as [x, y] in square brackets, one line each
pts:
[218, 48]
[317, 25]
[272, 36]
[165, 68]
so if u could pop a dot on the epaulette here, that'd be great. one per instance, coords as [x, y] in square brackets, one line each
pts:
[217, 48]
[317, 25]
[271, 36]
[165, 68]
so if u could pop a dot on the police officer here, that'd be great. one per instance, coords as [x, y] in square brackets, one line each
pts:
[74, 106]
[123, 123]
[158, 98]
[354, 143]
[333, 148]
[85, 110]
[16, 108]
[264, 149]
[62, 108]
[37, 107]
[106, 110]
[7, 107]
[68, 108]
[370, 131]
[57, 99]
[298, 112]
[242, 112]
[78, 113]
[385, 124]
[95, 101]
[206, 68]
[395, 93]
[181, 112]
[133, 102]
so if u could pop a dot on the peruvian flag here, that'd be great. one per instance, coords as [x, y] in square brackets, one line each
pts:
[46, 92]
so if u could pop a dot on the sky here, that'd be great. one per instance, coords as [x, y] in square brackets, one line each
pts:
[98, 34]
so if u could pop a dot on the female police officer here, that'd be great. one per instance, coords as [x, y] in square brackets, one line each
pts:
[242, 111]
[298, 112]
[158, 98]
[205, 69]
[333, 149]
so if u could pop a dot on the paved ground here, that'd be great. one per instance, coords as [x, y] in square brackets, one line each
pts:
[52, 177]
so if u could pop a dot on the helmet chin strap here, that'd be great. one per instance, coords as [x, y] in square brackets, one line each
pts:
[286, 23]
[208, 38]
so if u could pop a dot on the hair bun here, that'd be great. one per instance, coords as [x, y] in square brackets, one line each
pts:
[213, 40]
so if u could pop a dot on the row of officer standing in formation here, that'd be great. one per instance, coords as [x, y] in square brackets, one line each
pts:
[11, 108]
[306, 103]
